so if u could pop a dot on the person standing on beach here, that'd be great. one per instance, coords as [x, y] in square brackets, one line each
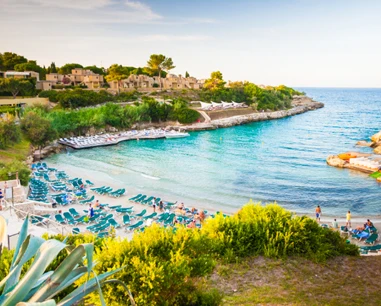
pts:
[154, 204]
[318, 213]
[348, 219]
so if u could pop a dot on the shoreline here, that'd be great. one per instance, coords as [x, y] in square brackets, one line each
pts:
[106, 179]
[300, 105]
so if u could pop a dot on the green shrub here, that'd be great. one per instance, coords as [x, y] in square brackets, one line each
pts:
[13, 167]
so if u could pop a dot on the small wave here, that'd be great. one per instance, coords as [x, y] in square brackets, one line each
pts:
[150, 177]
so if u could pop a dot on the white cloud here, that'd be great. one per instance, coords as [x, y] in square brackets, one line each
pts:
[159, 37]
[69, 4]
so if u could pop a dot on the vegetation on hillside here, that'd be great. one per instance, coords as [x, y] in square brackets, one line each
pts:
[268, 98]
[162, 264]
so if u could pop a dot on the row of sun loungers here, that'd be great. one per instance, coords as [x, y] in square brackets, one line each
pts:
[221, 105]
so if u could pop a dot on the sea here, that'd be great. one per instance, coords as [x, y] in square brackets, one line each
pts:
[281, 161]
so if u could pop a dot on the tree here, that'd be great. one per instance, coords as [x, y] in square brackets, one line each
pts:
[38, 130]
[52, 68]
[31, 66]
[117, 73]
[187, 74]
[9, 60]
[9, 131]
[159, 62]
[95, 69]
[215, 81]
[15, 86]
[67, 68]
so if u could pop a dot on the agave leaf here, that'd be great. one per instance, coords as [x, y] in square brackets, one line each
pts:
[45, 255]
[46, 303]
[3, 231]
[22, 237]
[100, 291]
[38, 285]
[73, 276]
[62, 272]
[119, 282]
[28, 249]
[85, 289]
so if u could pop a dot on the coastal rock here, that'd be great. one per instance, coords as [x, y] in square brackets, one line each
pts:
[376, 137]
[377, 150]
[335, 161]
[300, 105]
[363, 143]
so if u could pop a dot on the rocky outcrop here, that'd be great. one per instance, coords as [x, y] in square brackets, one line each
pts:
[46, 151]
[376, 137]
[300, 105]
[363, 143]
[335, 161]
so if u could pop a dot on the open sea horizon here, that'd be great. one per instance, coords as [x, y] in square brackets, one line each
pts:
[280, 160]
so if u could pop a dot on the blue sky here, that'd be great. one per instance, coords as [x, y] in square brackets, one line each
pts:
[297, 42]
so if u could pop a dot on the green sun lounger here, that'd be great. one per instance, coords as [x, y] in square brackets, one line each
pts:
[115, 207]
[124, 210]
[135, 197]
[69, 218]
[75, 230]
[87, 200]
[147, 201]
[372, 239]
[89, 183]
[170, 219]
[141, 214]
[74, 213]
[59, 219]
[135, 226]
[102, 234]
[151, 216]
[113, 223]
[142, 198]
[162, 217]
[126, 220]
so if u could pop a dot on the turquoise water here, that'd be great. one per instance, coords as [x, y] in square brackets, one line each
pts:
[280, 160]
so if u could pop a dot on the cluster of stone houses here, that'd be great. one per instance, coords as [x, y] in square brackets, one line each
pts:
[171, 81]
[95, 81]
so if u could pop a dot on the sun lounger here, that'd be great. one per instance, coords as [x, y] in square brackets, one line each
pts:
[75, 230]
[126, 210]
[89, 183]
[135, 197]
[115, 207]
[102, 234]
[74, 213]
[59, 219]
[69, 218]
[162, 217]
[126, 219]
[372, 239]
[142, 198]
[38, 220]
[141, 214]
[147, 201]
[170, 219]
[134, 226]
[113, 223]
[151, 216]
[87, 200]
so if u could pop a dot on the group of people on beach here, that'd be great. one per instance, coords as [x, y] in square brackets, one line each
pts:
[368, 224]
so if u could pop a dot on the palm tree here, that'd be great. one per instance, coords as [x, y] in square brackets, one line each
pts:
[159, 62]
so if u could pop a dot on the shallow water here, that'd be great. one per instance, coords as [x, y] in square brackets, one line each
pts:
[281, 160]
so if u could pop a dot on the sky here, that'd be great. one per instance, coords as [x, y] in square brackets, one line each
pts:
[325, 43]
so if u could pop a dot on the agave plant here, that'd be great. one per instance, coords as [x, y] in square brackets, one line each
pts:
[38, 287]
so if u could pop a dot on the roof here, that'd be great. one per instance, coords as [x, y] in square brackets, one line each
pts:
[20, 73]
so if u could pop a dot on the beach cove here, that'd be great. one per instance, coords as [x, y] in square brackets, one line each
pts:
[279, 160]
